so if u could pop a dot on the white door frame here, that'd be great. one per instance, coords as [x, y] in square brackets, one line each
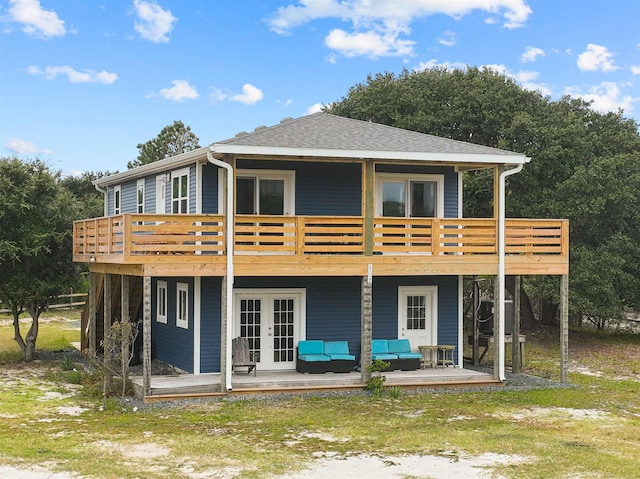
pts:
[266, 361]
[431, 319]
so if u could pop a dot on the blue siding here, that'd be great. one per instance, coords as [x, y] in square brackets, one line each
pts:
[333, 305]
[209, 189]
[128, 196]
[210, 324]
[150, 194]
[333, 312]
[322, 188]
[385, 305]
[172, 344]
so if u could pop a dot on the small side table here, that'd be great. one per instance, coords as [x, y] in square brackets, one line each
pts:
[429, 356]
[446, 353]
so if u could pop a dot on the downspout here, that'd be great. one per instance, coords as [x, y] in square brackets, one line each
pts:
[499, 341]
[230, 273]
[106, 198]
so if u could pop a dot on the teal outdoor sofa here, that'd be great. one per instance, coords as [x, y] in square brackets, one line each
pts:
[317, 356]
[397, 352]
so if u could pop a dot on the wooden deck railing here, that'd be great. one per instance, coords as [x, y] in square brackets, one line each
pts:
[132, 235]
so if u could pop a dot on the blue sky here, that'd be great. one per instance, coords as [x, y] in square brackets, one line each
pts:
[82, 82]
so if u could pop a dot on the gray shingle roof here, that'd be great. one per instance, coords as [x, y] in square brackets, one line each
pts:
[331, 132]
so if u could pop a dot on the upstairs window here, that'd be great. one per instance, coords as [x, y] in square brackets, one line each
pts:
[420, 196]
[180, 191]
[264, 192]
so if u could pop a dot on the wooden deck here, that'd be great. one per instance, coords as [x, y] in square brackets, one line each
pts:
[182, 386]
[195, 245]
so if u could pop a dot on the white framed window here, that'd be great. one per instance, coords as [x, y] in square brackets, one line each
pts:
[140, 196]
[265, 192]
[161, 302]
[180, 191]
[409, 196]
[182, 305]
[117, 200]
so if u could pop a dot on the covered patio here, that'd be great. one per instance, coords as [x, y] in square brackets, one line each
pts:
[184, 386]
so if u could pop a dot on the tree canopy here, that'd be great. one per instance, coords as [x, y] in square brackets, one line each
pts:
[172, 140]
[36, 214]
[584, 167]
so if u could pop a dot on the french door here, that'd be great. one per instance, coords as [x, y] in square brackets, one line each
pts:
[273, 322]
[418, 315]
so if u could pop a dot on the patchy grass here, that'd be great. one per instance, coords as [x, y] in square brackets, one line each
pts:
[55, 333]
[591, 430]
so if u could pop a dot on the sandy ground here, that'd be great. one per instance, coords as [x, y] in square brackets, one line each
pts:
[370, 467]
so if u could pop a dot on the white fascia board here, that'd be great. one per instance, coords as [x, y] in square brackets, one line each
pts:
[156, 167]
[479, 158]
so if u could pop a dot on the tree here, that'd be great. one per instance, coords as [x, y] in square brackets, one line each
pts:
[90, 200]
[172, 140]
[584, 167]
[36, 214]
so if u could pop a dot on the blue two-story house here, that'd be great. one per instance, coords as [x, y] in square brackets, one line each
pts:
[320, 227]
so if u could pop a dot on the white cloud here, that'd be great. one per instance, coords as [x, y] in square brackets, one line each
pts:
[250, 95]
[378, 24]
[448, 39]
[23, 147]
[74, 76]
[371, 44]
[154, 23]
[36, 20]
[635, 69]
[428, 65]
[531, 54]
[524, 78]
[596, 57]
[315, 108]
[181, 90]
[606, 97]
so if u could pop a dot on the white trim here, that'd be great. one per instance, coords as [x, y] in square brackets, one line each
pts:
[476, 158]
[197, 298]
[161, 194]
[460, 321]
[117, 193]
[179, 174]
[431, 292]
[287, 176]
[199, 188]
[161, 287]
[140, 186]
[408, 177]
[460, 193]
[182, 321]
[301, 332]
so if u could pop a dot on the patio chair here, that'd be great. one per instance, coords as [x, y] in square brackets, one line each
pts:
[241, 355]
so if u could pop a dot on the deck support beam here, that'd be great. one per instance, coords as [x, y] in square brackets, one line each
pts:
[564, 327]
[146, 335]
[366, 328]
[93, 285]
[107, 305]
[124, 298]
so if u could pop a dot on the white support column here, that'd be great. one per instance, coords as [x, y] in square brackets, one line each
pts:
[225, 365]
